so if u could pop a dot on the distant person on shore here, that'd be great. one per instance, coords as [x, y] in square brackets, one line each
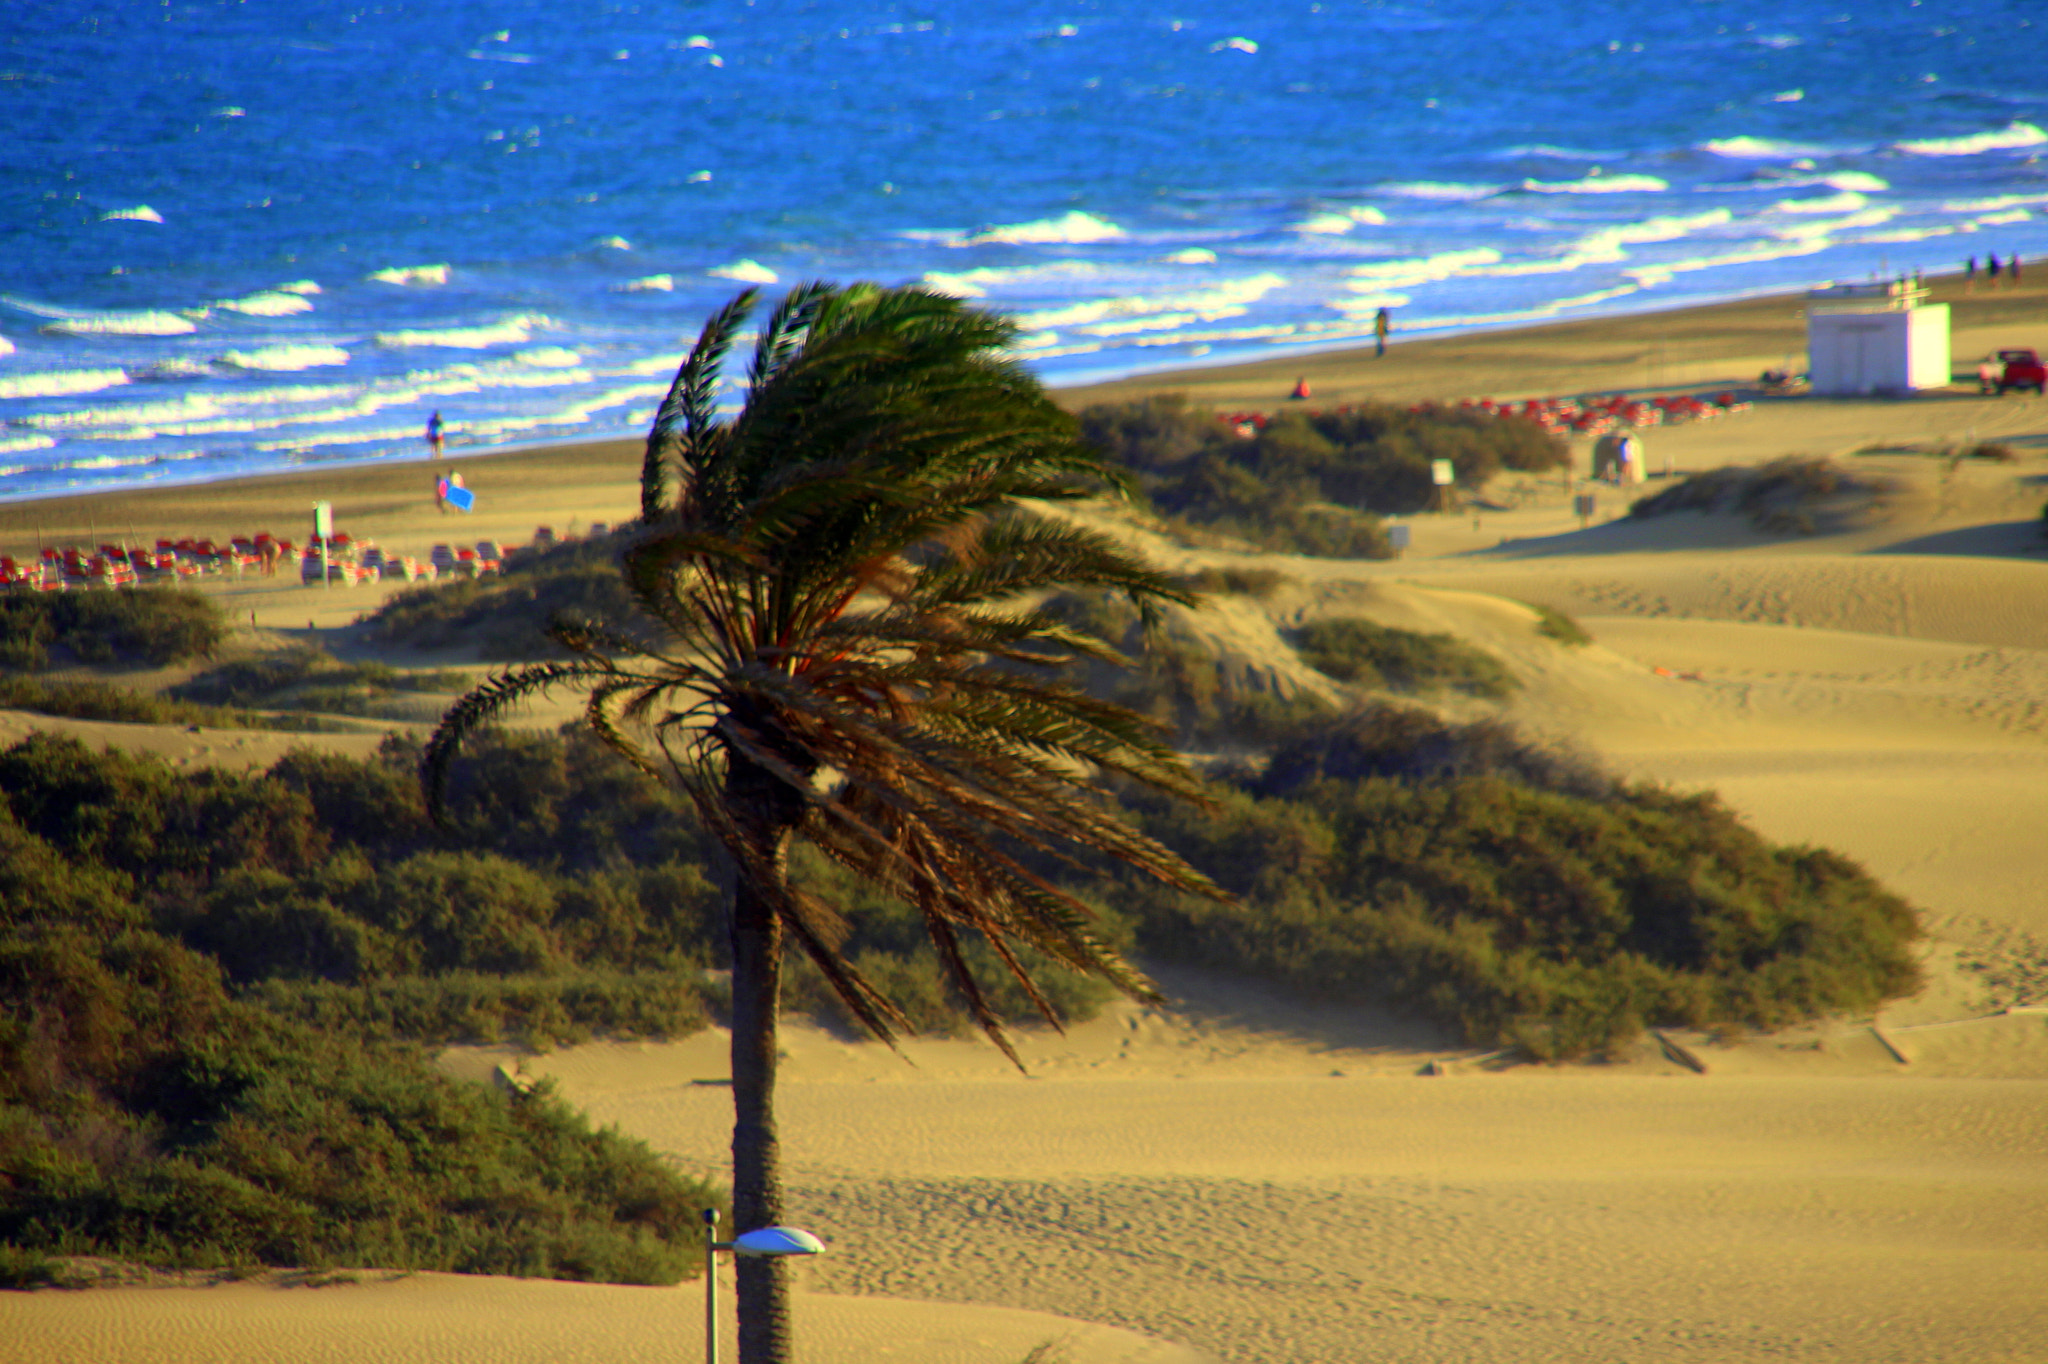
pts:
[1300, 389]
[1382, 323]
[2012, 272]
[1991, 267]
[1970, 276]
[434, 441]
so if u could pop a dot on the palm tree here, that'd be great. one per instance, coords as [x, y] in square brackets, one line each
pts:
[840, 645]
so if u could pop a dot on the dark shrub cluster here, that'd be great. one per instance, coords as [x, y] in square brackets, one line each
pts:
[507, 617]
[1518, 895]
[1785, 496]
[307, 677]
[145, 1114]
[1353, 649]
[124, 705]
[1310, 482]
[153, 626]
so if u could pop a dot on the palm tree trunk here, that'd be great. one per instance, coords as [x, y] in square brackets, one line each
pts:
[762, 1282]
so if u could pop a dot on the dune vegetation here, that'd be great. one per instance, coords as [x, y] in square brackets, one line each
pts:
[140, 627]
[1308, 482]
[148, 1112]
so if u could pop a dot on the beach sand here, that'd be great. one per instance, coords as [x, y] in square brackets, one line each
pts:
[1256, 1178]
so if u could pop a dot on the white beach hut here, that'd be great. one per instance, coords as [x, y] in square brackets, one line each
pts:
[1875, 338]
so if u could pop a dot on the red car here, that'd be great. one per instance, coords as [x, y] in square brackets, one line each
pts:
[2015, 369]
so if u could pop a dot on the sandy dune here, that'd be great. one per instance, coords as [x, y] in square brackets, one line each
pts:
[1267, 1179]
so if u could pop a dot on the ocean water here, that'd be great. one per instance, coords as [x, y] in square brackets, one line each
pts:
[238, 235]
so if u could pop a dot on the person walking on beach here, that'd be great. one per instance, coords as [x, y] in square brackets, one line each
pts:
[1382, 323]
[1970, 276]
[1991, 267]
[434, 441]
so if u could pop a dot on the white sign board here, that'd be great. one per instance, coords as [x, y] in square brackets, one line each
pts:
[323, 520]
[1441, 473]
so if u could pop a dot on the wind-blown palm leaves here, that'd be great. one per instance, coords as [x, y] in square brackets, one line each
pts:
[839, 644]
[838, 579]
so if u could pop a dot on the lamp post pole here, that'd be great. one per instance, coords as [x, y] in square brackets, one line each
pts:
[774, 1241]
[710, 1286]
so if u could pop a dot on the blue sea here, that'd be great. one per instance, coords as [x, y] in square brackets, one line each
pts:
[246, 235]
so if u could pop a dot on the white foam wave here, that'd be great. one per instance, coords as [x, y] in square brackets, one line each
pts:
[1214, 300]
[1599, 184]
[1561, 153]
[267, 303]
[2011, 215]
[2014, 135]
[1788, 97]
[1847, 201]
[745, 271]
[1534, 314]
[175, 368]
[14, 445]
[510, 331]
[1828, 227]
[1651, 275]
[6, 346]
[976, 283]
[141, 213]
[410, 274]
[185, 408]
[1072, 227]
[654, 364]
[1158, 322]
[1992, 205]
[612, 244]
[1402, 274]
[548, 357]
[1606, 246]
[1335, 224]
[1193, 255]
[1856, 180]
[298, 286]
[646, 284]
[108, 461]
[1777, 41]
[1908, 234]
[1761, 149]
[284, 357]
[123, 324]
[1370, 303]
[1443, 190]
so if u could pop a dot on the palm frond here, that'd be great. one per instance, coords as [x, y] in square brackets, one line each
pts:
[690, 405]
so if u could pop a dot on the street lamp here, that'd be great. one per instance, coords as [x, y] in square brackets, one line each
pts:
[766, 1241]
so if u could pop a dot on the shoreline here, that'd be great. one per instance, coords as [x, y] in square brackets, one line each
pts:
[594, 477]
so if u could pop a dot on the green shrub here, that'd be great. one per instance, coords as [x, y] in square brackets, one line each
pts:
[306, 677]
[1517, 895]
[99, 701]
[1310, 482]
[537, 1012]
[1352, 649]
[507, 617]
[153, 626]
[146, 1114]
[1784, 496]
[1554, 624]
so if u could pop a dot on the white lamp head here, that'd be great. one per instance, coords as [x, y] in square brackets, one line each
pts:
[777, 1241]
